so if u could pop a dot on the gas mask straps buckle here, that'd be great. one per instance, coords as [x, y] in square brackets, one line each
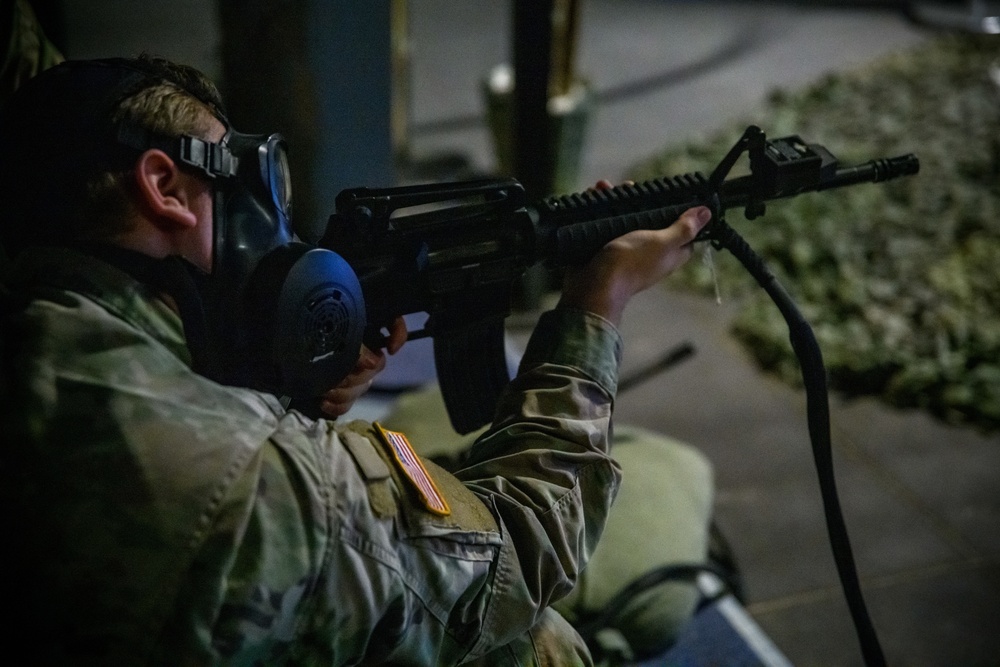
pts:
[214, 160]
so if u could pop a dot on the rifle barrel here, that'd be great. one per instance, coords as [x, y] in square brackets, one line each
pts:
[738, 192]
[874, 171]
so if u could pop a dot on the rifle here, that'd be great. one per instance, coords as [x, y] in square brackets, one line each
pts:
[456, 250]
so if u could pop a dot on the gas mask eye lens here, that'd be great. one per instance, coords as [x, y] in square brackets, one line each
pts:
[277, 174]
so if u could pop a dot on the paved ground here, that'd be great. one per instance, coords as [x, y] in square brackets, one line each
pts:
[922, 500]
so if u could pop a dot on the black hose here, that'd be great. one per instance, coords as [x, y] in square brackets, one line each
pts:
[818, 414]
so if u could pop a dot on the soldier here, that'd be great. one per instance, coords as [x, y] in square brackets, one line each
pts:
[162, 512]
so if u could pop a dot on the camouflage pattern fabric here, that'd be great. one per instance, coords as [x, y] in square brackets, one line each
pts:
[27, 50]
[160, 518]
[661, 518]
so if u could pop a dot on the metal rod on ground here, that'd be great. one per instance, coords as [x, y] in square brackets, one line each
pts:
[671, 358]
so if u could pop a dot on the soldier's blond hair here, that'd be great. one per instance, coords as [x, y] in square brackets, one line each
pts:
[165, 109]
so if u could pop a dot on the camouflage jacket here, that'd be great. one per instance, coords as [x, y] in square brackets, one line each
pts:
[157, 517]
[28, 50]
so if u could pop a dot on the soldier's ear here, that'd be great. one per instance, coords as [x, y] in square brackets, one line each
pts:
[163, 191]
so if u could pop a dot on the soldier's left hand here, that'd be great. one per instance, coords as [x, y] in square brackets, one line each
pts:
[339, 400]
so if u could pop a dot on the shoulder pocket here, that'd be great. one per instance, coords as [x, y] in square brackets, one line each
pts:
[434, 502]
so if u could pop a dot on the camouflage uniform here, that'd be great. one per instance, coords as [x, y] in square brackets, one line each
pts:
[28, 50]
[161, 518]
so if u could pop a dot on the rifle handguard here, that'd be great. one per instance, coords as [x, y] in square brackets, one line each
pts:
[576, 244]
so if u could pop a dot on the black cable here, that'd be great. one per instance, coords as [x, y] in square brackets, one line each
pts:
[818, 414]
[748, 39]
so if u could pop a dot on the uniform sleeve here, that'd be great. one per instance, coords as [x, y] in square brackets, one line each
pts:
[544, 468]
[338, 557]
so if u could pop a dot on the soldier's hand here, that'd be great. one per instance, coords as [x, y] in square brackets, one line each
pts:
[630, 264]
[339, 400]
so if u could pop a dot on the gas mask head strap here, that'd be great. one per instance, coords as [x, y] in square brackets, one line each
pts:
[210, 159]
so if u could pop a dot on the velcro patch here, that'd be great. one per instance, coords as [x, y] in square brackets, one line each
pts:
[414, 470]
[375, 471]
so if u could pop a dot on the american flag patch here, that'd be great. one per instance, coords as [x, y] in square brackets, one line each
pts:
[414, 469]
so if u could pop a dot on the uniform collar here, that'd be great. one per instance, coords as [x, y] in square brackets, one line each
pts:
[37, 272]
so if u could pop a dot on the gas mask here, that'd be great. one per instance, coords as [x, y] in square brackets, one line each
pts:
[280, 315]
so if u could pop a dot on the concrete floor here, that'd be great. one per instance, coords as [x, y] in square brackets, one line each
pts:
[922, 500]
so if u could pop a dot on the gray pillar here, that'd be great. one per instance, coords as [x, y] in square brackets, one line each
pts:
[319, 72]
